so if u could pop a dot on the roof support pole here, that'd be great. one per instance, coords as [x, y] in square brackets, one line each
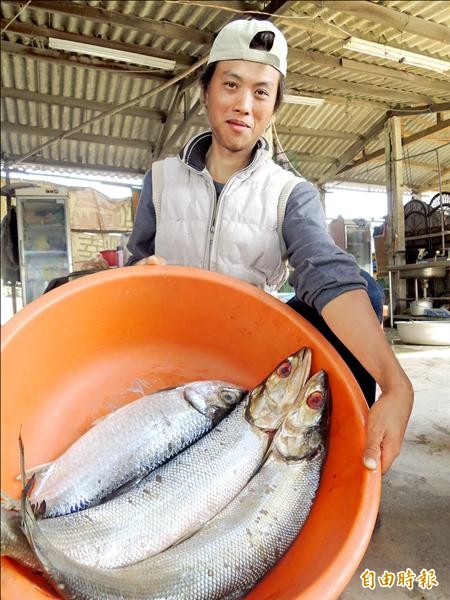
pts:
[396, 220]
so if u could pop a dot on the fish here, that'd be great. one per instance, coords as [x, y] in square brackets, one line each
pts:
[14, 544]
[227, 557]
[129, 443]
[149, 517]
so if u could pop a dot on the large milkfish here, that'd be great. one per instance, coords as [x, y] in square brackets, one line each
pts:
[231, 553]
[129, 443]
[150, 517]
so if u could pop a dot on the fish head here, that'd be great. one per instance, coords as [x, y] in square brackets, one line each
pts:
[270, 401]
[214, 399]
[304, 430]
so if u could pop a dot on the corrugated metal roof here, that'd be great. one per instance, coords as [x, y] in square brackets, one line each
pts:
[46, 92]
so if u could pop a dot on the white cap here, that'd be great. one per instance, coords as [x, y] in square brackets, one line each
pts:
[233, 43]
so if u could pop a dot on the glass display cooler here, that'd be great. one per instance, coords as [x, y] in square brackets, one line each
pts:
[44, 238]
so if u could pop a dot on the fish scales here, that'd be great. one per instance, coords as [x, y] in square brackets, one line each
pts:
[129, 443]
[207, 475]
[226, 557]
[229, 555]
[13, 541]
[232, 553]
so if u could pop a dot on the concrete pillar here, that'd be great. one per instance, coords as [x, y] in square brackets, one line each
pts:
[396, 219]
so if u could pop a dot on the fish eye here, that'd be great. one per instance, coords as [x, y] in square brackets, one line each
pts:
[284, 370]
[227, 396]
[315, 400]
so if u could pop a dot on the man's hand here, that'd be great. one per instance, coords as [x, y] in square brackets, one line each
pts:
[386, 426]
[352, 319]
[152, 260]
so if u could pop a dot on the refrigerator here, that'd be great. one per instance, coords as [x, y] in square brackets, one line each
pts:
[44, 238]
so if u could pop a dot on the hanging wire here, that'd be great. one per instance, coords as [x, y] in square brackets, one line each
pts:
[408, 170]
[401, 159]
[15, 17]
[440, 201]
[295, 171]
[221, 7]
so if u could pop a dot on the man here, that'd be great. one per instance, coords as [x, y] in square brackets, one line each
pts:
[218, 205]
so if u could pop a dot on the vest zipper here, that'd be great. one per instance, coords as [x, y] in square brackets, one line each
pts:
[214, 218]
[214, 213]
[211, 224]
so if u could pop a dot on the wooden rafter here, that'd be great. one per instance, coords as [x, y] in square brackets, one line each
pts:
[175, 104]
[420, 135]
[389, 17]
[444, 178]
[79, 137]
[327, 133]
[396, 74]
[47, 162]
[358, 88]
[117, 109]
[344, 65]
[53, 99]
[187, 122]
[351, 152]
[52, 56]
[35, 31]
[102, 16]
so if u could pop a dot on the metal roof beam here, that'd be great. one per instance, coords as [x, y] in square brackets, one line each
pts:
[358, 88]
[52, 100]
[351, 152]
[421, 110]
[101, 15]
[317, 25]
[78, 137]
[187, 122]
[344, 64]
[389, 17]
[118, 108]
[433, 184]
[327, 133]
[36, 31]
[53, 56]
[63, 164]
[420, 135]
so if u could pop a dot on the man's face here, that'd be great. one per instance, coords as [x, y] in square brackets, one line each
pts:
[240, 100]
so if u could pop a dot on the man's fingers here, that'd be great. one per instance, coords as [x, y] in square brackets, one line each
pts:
[391, 450]
[372, 449]
[152, 260]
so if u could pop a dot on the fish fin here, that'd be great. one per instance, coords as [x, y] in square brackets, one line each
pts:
[28, 514]
[35, 470]
[8, 502]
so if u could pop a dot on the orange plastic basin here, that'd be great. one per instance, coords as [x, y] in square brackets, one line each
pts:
[98, 342]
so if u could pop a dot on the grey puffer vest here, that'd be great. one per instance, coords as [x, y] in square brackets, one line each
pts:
[240, 234]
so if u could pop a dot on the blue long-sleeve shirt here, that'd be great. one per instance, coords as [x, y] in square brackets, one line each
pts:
[321, 270]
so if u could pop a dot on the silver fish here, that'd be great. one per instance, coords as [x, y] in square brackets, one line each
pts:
[129, 443]
[230, 554]
[14, 544]
[207, 475]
